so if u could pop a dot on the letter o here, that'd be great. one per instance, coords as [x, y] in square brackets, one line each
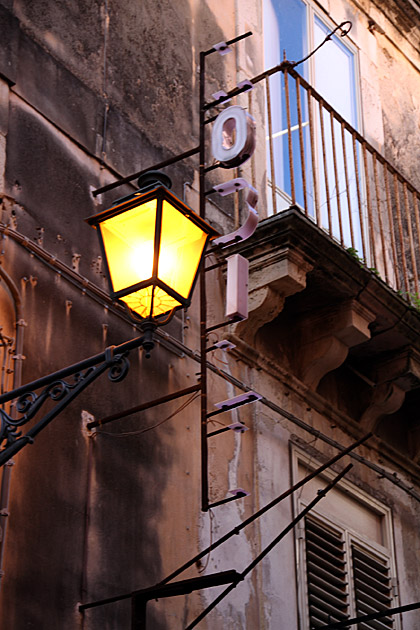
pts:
[233, 137]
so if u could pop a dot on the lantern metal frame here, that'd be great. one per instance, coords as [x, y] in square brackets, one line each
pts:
[155, 187]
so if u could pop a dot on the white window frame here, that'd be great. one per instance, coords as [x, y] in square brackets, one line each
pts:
[386, 552]
[313, 11]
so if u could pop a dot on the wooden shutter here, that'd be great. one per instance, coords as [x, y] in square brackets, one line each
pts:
[328, 593]
[372, 588]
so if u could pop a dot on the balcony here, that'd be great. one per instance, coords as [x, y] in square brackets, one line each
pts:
[333, 287]
[322, 165]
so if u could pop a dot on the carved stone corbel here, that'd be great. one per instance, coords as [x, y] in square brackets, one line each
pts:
[272, 278]
[326, 337]
[387, 398]
[394, 377]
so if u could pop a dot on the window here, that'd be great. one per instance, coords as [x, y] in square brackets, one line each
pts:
[325, 184]
[345, 555]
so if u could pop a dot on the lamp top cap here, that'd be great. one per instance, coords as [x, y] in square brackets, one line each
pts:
[151, 179]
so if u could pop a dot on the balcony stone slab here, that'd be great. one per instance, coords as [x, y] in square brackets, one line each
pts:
[317, 312]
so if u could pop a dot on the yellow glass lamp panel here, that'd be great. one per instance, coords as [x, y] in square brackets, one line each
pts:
[181, 246]
[129, 245]
[140, 302]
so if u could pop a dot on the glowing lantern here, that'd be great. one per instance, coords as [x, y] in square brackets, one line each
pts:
[153, 245]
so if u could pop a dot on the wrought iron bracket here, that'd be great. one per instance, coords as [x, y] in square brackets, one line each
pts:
[54, 387]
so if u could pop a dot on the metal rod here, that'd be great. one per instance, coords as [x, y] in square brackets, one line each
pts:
[346, 176]
[337, 185]
[253, 176]
[203, 299]
[410, 236]
[267, 550]
[235, 92]
[155, 167]
[302, 146]
[184, 587]
[324, 158]
[369, 207]
[28, 438]
[268, 507]
[138, 613]
[289, 137]
[144, 406]
[371, 617]
[379, 213]
[226, 323]
[241, 526]
[315, 178]
[218, 431]
[416, 214]
[72, 369]
[235, 497]
[270, 146]
[400, 233]
[359, 200]
[391, 228]
[228, 43]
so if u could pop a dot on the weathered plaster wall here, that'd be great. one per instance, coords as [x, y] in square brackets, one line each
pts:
[91, 517]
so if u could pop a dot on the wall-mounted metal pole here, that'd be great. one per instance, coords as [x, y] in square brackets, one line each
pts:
[371, 617]
[203, 299]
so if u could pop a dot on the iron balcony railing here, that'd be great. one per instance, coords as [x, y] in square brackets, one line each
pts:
[319, 162]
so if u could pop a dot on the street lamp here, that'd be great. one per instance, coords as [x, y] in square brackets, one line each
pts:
[152, 244]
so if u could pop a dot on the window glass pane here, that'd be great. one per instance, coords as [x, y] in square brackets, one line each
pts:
[334, 73]
[285, 28]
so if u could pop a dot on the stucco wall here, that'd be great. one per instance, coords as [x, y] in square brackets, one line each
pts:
[91, 92]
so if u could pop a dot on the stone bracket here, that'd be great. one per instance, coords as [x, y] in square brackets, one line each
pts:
[326, 337]
[272, 278]
[394, 377]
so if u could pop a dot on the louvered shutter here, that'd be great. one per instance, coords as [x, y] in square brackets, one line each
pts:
[372, 587]
[328, 595]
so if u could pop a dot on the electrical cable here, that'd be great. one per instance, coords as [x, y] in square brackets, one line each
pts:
[141, 431]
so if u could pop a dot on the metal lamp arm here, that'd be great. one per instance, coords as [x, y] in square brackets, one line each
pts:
[57, 389]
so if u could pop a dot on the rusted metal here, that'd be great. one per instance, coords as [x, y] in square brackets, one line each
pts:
[379, 213]
[362, 620]
[154, 167]
[400, 233]
[289, 134]
[250, 109]
[411, 239]
[274, 543]
[324, 158]
[346, 178]
[144, 406]
[416, 215]
[359, 199]
[301, 146]
[369, 208]
[270, 145]
[337, 184]
[391, 229]
[315, 178]
[203, 299]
